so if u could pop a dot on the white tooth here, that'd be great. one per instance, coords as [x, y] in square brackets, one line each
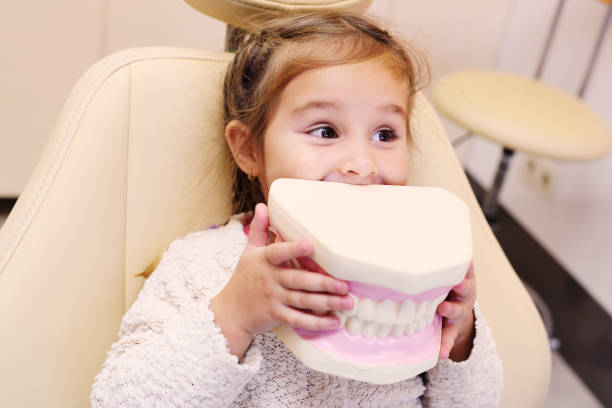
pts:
[386, 312]
[369, 330]
[436, 302]
[440, 298]
[430, 319]
[398, 330]
[421, 310]
[429, 316]
[429, 307]
[420, 326]
[342, 316]
[353, 311]
[366, 308]
[432, 311]
[410, 328]
[384, 330]
[354, 325]
[406, 313]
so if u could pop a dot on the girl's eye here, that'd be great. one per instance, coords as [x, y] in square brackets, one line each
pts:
[325, 132]
[384, 135]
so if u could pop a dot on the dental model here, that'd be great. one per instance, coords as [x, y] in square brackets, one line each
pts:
[401, 249]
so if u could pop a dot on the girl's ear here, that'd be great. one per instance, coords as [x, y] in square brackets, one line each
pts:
[244, 150]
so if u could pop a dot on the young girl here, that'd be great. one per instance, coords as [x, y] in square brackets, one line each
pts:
[320, 97]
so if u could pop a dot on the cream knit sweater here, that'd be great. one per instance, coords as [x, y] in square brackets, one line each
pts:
[171, 354]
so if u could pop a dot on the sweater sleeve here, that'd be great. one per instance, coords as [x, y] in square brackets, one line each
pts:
[475, 382]
[170, 353]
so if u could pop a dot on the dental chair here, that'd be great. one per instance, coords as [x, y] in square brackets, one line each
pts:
[137, 159]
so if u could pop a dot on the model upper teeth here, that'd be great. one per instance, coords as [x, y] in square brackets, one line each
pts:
[400, 248]
[383, 318]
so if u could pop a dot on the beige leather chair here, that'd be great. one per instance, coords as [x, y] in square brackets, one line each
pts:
[239, 13]
[136, 160]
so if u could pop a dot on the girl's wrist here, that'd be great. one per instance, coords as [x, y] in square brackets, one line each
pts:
[238, 340]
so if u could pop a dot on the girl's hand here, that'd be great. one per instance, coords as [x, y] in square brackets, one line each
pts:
[265, 290]
[458, 324]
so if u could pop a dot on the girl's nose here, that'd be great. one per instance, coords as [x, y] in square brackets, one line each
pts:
[358, 162]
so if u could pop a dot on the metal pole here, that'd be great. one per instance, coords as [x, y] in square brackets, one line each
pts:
[466, 136]
[551, 35]
[490, 204]
[595, 54]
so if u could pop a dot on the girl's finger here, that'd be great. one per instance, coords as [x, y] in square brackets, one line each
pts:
[311, 265]
[258, 230]
[308, 321]
[465, 289]
[317, 301]
[470, 272]
[281, 252]
[449, 335]
[451, 310]
[311, 281]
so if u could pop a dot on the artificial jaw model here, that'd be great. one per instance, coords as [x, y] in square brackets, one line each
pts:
[401, 249]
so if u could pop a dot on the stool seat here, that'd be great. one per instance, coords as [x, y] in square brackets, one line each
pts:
[523, 114]
[241, 13]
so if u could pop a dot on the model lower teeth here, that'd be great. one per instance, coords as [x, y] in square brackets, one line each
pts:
[401, 249]
[370, 318]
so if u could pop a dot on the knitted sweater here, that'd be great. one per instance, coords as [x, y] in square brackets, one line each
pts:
[170, 353]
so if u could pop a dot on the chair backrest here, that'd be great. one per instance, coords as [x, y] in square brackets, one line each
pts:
[137, 159]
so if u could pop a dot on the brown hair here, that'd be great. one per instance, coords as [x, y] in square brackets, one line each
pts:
[269, 58]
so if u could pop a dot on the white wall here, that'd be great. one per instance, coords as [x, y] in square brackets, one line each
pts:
[46, 46]
[575, 222]
[138, 23]
[44, 51]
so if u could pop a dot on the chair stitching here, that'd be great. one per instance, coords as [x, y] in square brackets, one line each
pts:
[127, 180]
[53, 167]
[246, 4]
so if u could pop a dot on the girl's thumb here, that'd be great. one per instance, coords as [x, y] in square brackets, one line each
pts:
[258, 230]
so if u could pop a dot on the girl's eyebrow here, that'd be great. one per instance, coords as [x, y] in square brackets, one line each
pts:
[393, 108]
[314, 105]
[332, 105]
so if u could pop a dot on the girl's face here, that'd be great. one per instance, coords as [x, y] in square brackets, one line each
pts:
[344, 123]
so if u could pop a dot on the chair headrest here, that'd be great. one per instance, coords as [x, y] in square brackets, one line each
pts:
[240, 13]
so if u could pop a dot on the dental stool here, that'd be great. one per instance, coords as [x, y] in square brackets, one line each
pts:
[524, 114]
[137, 159]
[521, 114]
